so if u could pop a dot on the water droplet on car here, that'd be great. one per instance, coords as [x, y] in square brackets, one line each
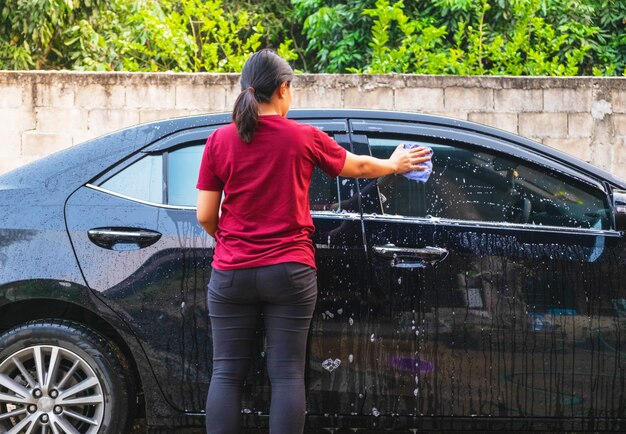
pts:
[330, 365]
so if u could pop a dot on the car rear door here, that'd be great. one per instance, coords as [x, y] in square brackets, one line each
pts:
[496, 285]
[142, 251]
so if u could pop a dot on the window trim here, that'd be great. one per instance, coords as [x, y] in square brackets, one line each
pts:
[134, 199]
[165, 159]
[165, 163]
[481, 225]
[160, 148]
[329, 126]
[180, 139]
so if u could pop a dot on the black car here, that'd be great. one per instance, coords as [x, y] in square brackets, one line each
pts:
[492, 296]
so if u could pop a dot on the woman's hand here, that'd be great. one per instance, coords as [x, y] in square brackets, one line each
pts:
[406, 160]
[401, 161]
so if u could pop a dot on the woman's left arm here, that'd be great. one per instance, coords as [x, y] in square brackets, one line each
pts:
[208, 209]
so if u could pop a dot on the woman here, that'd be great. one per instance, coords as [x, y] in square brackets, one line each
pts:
[264, 258]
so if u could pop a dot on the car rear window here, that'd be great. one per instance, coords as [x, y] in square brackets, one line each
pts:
[141, 180]
[170, 178]
[183, 166]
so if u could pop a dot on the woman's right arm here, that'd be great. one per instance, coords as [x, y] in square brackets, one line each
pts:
[401, 161]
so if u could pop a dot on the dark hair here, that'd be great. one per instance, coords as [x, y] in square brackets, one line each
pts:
[262, 74]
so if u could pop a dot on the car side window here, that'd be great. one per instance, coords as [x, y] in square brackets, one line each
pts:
[323, 192]
[170, 178]
[485, 186]
[183, 166]
[142, 180]
[182, 174]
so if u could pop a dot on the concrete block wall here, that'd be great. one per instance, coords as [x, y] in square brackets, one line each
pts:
[42, 112]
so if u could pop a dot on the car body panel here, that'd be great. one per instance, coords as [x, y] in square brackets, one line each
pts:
[507, 324]
[149, 287]
[34, 246]
[387, 344]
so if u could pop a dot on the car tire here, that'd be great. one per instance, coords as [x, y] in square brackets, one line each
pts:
[88, 392]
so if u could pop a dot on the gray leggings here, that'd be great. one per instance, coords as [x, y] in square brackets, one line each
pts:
[285, 294]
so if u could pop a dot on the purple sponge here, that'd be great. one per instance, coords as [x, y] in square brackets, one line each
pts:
[419, 175]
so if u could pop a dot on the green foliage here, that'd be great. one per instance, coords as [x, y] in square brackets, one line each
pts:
[513, 37]
[336, 32]
[224, 40]
[496, 37]
[134, 35]
[607, 18]
[529, 46]
[31, 32]
[279, 22]
[418, 46]
[189, 35]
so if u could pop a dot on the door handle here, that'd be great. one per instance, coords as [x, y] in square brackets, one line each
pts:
[123, 238]
[410, 257]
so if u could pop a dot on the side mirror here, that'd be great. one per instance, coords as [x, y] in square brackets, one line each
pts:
[619, 208]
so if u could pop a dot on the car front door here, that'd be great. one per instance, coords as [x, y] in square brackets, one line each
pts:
[495, 284]
[333, 384]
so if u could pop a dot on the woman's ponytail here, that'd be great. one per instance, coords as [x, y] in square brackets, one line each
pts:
[261, 75]
[246, 114]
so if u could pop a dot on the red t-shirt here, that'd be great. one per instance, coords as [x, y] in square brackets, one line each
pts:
[265, 216]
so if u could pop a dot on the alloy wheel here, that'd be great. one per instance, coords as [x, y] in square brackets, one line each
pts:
[46, 389]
